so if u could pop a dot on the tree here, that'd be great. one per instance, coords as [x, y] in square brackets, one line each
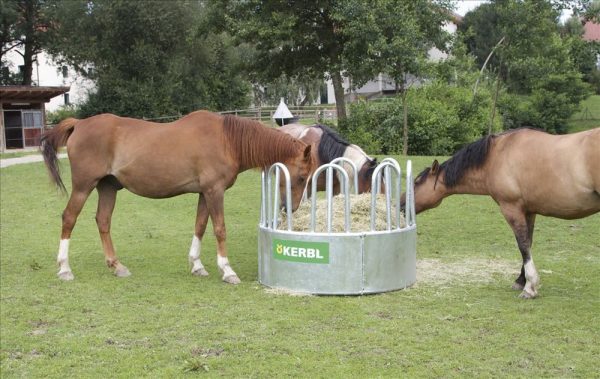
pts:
[296, 39]
[393, 37]
[351, 38]
[148, 59]
[24, 29]
[532, 59]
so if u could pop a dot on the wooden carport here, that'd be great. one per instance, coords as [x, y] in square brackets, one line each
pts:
[23, 114]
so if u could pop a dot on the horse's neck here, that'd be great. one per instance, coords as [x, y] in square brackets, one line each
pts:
[356, 155]
[264, 149]
[473, 183]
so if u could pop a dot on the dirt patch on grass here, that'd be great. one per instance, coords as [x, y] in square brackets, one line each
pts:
[285, 292]
[469, 271]
[438, 273]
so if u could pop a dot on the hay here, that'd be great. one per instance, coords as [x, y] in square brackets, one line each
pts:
[360, 215]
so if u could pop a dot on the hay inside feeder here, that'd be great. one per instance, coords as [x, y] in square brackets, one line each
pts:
[360, 215]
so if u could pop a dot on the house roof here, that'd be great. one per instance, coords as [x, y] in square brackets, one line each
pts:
[591, 31]
[30, 93]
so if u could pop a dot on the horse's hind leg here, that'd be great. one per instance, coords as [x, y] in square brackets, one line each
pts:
[107, 196]
[69, 218]
[194, 254]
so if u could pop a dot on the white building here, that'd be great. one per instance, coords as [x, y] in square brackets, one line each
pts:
[47, 74]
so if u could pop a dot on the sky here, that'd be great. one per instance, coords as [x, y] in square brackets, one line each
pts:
[464, 6]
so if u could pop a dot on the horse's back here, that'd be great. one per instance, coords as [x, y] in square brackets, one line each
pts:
[554, 175]
[150, 159]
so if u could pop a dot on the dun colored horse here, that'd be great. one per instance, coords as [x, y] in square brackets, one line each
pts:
[527, 172]
[200, 153]
[327, 145]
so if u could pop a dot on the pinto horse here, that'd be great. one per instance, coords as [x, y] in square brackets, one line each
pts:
[200, 153]
[527, 172]
[327, 145]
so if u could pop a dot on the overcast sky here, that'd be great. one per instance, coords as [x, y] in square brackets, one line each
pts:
[464, 6]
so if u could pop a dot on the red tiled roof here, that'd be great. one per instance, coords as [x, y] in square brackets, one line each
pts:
[591, 31]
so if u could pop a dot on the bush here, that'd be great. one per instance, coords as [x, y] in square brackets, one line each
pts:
[549, 106]
[65, 111]
[441, 119]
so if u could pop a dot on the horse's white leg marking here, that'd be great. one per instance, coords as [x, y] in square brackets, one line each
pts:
[229, 275]
[532, 277]
[64, 271]
[194, 258]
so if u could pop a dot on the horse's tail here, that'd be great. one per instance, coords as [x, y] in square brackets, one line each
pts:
[51, 141]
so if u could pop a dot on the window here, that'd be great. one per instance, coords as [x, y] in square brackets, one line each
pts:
[32, 119]
[66, 96]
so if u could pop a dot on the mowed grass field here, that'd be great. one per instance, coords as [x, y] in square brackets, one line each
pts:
[460, 319]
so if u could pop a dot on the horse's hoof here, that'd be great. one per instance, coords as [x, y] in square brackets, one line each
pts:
[200, 272]
[122, 272]
[517, 286]
[65, 275]
[527, 295]
[232, 279]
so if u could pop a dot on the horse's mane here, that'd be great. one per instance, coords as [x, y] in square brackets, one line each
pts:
[256, 145]
[473, 155]
[332, 145]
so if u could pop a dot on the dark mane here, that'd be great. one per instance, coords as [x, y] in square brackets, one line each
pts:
[332, 145]
[256, 145]
[471, 156]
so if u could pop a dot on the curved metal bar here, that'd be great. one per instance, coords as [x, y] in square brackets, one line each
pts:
[354, 169]
[278, 167]
[388, 166]
[410, 196]
[263, 199]
[399, 186]
[330, 167]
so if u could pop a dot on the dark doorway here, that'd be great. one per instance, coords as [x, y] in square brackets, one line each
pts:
[13, 129]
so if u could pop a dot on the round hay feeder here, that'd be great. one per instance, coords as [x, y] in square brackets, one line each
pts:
[351, 262]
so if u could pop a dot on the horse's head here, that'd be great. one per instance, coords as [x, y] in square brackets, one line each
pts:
[300, 168]
[430, 189]
[365, 176]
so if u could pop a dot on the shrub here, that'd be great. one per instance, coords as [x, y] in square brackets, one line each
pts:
[441, 119]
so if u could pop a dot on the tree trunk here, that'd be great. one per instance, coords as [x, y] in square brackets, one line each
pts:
[405, 122]
[338, 90]
[27, 65]
[29, 50]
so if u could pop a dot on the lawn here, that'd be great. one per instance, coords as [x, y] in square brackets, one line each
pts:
[460, 319]
[587, 117]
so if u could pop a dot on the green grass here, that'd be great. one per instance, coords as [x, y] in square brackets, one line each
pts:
[163, 322]
[587, 117]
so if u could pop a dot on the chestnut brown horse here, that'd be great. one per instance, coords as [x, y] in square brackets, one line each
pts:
[200, 153]
[527, 172]
[328, 145]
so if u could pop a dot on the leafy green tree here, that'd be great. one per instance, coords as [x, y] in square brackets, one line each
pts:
[24, 29]
[350, 38]
[531, 60]
[148, 59]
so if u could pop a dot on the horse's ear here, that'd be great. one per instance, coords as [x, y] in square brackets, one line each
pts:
[307, 152]
[435, 167]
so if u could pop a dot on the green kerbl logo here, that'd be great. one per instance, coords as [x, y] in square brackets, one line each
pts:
[301, 251]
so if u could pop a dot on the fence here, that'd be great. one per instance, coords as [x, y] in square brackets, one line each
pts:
[308, 115]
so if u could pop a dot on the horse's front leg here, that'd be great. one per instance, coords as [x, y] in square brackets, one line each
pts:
[522, 225]
[214, 200]
[194, 254]
[519, 284]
